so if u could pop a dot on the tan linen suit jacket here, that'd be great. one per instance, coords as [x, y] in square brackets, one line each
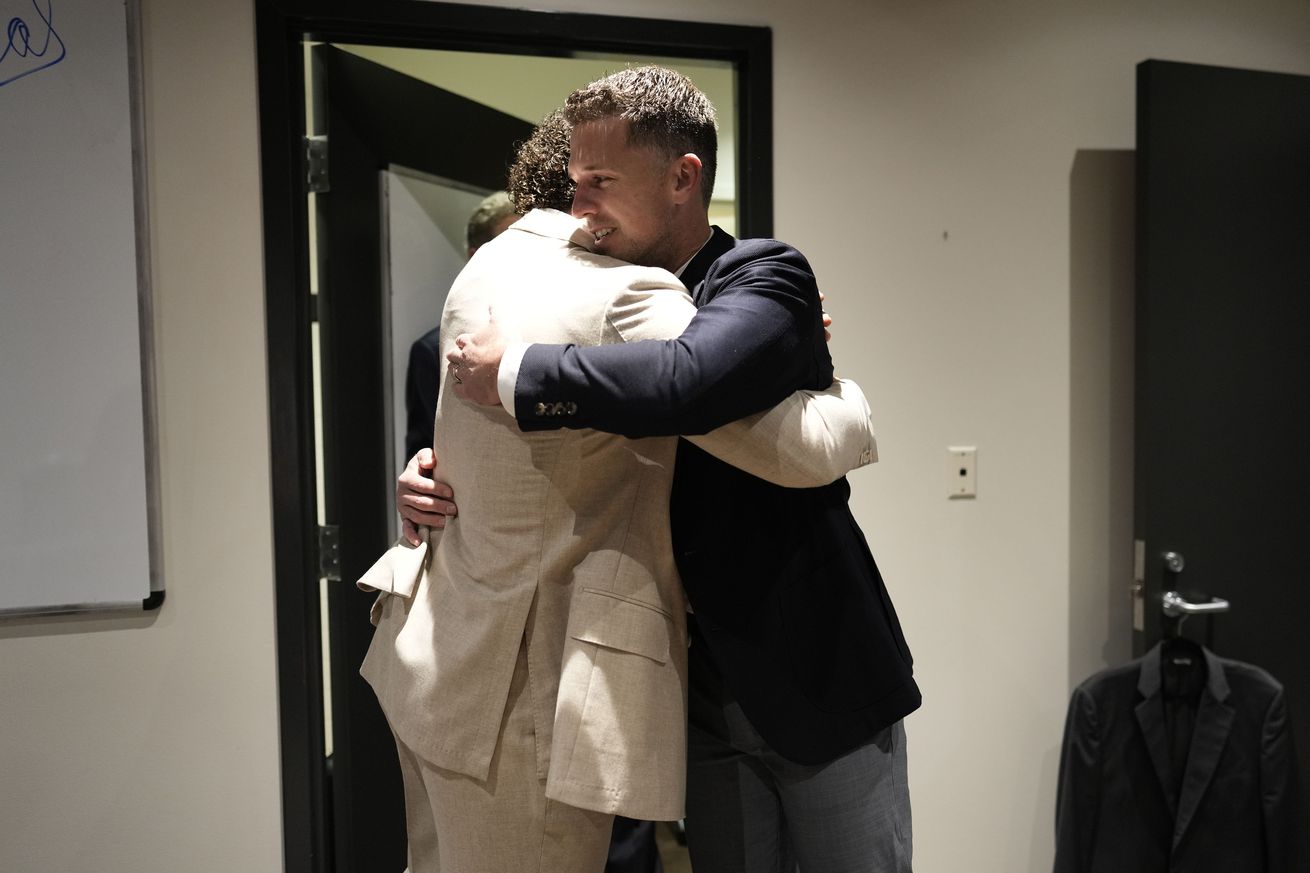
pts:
[562, 539]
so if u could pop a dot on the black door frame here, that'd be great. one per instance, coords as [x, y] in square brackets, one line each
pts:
[281, 28]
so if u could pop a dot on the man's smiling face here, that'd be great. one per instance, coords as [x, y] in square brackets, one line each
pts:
[623, 194]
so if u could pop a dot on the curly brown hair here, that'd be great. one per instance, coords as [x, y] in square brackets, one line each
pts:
[664, 109]
[539, 178]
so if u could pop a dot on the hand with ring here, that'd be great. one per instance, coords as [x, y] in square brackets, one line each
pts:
[475, 363]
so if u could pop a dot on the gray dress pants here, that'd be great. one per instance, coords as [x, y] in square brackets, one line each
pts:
[750, 810]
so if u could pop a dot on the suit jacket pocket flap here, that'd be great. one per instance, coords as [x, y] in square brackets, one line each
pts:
[398, 570]
[618, 622]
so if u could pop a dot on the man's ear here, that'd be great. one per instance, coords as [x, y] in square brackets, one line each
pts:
[686, 177]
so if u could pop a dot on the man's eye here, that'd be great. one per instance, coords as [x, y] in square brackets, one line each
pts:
[602, 181]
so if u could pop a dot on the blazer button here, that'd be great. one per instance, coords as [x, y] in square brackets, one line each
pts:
[541, 409]
[570, 408]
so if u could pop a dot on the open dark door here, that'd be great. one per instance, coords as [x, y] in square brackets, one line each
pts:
[375, 118]
[1223, 365]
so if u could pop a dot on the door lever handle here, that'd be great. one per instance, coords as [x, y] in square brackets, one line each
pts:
[1175, 604]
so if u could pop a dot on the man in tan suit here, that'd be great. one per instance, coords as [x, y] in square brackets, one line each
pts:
[531, 656]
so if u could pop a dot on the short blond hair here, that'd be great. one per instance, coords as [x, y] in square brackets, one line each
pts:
[485, 221]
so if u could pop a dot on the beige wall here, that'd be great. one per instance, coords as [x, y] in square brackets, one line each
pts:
[957, 173]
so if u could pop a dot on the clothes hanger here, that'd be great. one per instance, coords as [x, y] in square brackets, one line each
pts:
[1177, 651]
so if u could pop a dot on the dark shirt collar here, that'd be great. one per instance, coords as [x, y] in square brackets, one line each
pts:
[719, 244]
[686, 263]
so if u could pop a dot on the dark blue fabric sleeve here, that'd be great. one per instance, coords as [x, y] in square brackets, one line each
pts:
[422, 379]
[755, 339]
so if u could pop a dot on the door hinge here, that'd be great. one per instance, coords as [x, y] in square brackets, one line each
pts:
[329, 552]
[316, 164]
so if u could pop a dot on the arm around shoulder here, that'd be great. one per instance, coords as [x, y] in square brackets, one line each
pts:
[744, 351]
[619, 386]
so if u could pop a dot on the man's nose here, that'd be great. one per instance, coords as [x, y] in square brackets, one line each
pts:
[583, 205]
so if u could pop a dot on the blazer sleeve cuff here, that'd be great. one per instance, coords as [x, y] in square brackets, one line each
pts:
[508, 377]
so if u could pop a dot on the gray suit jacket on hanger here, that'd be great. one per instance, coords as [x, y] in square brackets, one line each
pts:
[1121, 807]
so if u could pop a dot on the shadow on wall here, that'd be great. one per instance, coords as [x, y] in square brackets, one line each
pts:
[1101, 319]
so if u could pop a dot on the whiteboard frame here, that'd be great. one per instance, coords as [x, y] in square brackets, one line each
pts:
[146, 321]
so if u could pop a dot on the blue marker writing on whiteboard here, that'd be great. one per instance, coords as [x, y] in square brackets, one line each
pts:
[24, 53]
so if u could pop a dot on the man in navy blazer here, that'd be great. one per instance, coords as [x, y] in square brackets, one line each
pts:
[800, 675]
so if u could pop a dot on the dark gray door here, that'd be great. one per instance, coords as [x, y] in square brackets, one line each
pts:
[1223, 363]
[375, 118]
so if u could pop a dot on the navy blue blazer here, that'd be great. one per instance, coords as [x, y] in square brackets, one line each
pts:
[786, 592]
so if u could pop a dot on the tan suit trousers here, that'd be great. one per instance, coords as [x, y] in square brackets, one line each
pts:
[505, 824]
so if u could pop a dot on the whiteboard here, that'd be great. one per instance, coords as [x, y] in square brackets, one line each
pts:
[78, 500]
